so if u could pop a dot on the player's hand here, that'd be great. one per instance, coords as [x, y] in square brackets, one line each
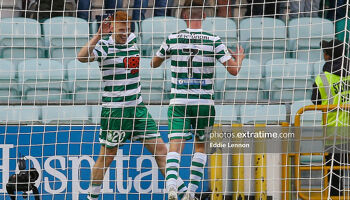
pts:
[238, 55]
[105, 27]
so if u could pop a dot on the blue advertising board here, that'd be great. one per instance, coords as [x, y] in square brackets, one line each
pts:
[64, 155]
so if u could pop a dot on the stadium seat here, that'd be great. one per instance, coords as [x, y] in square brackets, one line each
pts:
[263, 38]
[226, 114]
[65, 36]
[20, 38]
[20, 114]
[96, 114]
[246, 86]
[310, 55]
[225, 28]
[305, 35]
[66, 114]
[318, 68]
[94, 26]
[152, 81]
[156, 29]
[42, 79]
[219, 83]
[262, 114]
[8, 81]
[288, 79]
[85, 80]
[309, 118]
[159, 113]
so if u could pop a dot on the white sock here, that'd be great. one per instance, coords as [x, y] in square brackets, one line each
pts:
[197, 170]
[95, 190]
[172, 169]
[181, 187]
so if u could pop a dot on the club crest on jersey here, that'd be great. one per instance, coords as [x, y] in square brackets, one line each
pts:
[132, 63]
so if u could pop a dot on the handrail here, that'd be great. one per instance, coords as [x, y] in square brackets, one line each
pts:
[324, 109]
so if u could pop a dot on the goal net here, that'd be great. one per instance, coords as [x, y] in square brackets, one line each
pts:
[268, 141]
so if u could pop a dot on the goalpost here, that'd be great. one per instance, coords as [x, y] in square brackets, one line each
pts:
[268, 141]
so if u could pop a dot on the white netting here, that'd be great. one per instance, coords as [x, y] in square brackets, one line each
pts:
[50, 102]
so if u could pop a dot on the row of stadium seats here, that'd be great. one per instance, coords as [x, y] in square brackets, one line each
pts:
[262, 38]
[225, 114]
[61, 37]
[45, 79]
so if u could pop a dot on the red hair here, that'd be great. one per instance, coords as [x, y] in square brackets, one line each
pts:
[121, 16]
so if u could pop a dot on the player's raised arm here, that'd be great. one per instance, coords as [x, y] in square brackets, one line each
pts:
[161, 55]
[86, 52]
[234, 65]
[157, 61]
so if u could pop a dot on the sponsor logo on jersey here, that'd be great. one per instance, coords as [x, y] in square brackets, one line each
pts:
[132, 63]
[191, 81]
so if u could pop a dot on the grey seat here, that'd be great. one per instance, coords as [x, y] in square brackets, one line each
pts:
[305, 35]
[159, 113]
[20, 114]
[96, 114]
[263, 38]
[262, 114]
[226, 114]
[155, 30]
[64, 36]
[288, 79]
[248, 85]
[20, 38]
[66, 114]
[309, 118]
[152, 81]
[42, 79]
[8, 81]
[85, 80]
[225, 28]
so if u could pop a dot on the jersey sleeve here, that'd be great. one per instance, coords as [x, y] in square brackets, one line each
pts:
[132, 42]
[132, 39]
[164, 50]
[221, 52]
[100, 51]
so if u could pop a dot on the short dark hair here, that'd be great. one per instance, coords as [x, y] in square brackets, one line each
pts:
[195, 8]
[193, 3]
[333, 48]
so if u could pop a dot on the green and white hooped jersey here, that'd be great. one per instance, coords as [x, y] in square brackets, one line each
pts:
[120, 70]
[193, 54]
